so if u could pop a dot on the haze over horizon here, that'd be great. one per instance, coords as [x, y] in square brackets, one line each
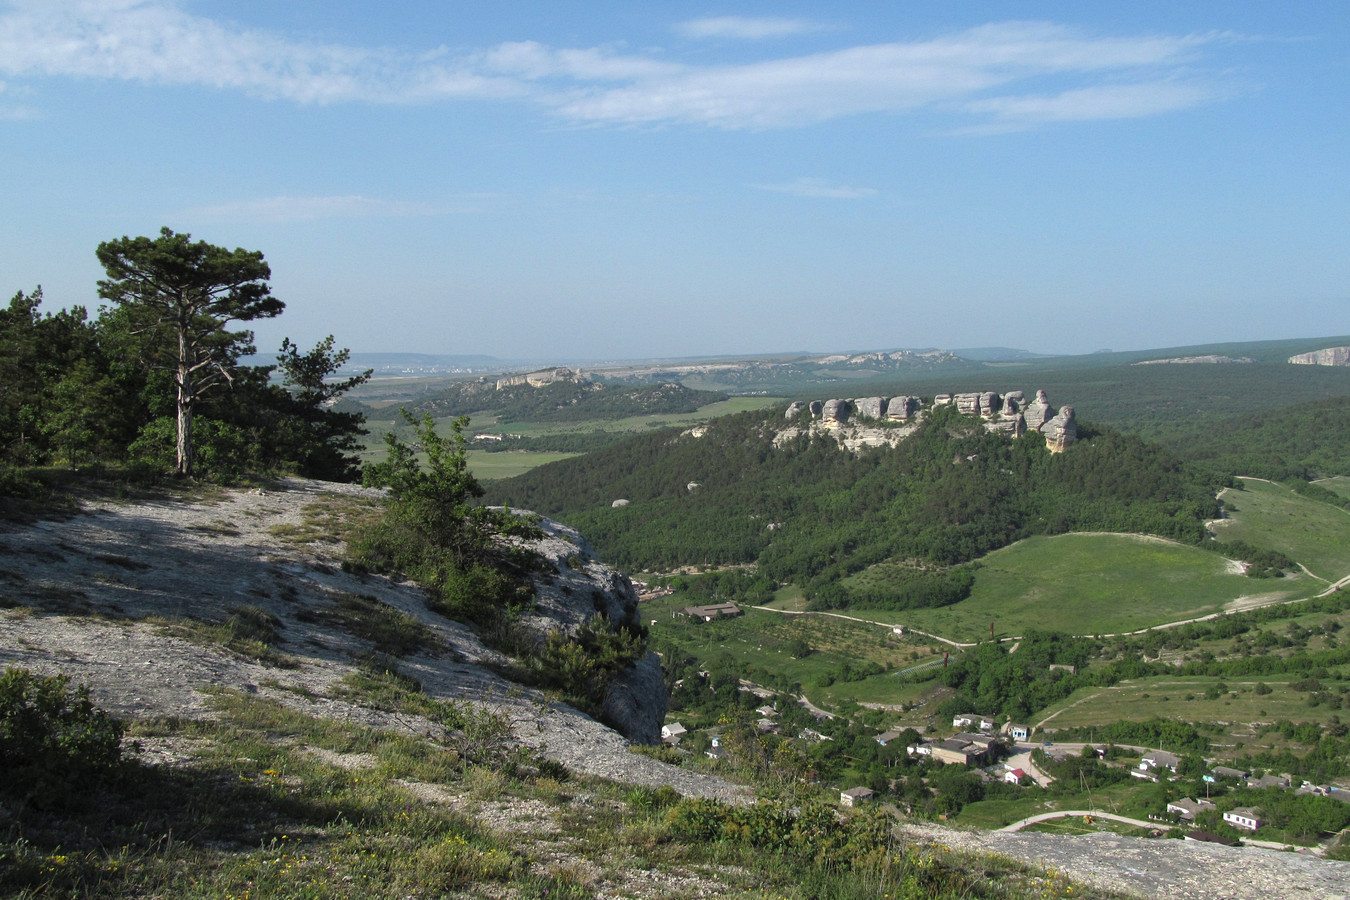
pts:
[619, 180]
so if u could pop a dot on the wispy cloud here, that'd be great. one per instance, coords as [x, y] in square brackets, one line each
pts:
[980, 75]
[745, 28]
[308, 209]
[819, 188]
[1115, 101]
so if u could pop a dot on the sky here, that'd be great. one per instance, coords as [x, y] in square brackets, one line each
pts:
[603, 180]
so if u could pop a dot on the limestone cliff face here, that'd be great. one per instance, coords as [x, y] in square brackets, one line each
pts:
[870, 421]
[574, 587]
[1331, 356]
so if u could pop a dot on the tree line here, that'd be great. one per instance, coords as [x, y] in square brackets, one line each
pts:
[157, 381]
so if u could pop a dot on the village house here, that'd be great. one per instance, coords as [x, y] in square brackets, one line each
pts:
[981, 740]
[1160, 759]
[1244, 817]
[855, 796]
[1224, 772]
[1186, 808]
[710, 612]
[954, 752]
[1266, 781]
[672, 732]
[1019, 732]
[1014, 776]
[886, 737]
[971, 720]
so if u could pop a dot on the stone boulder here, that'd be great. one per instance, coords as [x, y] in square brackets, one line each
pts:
[900, 409]
[1012, 426]
[795, 408]
[1038, 411]
[989, 404]
[835, 413]
[1061, 431]
[967, 404]
[870, 407]
[1013, 402]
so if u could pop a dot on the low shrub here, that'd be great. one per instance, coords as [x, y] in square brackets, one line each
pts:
[55, 744]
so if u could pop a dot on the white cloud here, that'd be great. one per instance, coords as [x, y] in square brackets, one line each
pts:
[979, 72]
[155, 42]
[819, 188]
[1117, 101]
[308, 209]
[892, 77]
[745, 28]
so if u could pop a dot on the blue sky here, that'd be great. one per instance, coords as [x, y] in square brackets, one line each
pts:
[616, 179]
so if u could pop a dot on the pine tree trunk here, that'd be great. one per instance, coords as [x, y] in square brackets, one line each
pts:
[185, 404]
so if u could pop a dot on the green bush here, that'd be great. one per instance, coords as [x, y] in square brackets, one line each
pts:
[55, 745]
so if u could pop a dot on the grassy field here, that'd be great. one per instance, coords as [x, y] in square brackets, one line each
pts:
[1192, 699]
[1091, 584]
[1340, 484]
[1270, 515]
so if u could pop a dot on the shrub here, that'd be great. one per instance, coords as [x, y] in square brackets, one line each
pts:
[55, 745]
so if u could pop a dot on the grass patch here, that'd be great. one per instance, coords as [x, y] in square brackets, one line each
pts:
[329, 520]
[390, 630]
[1271, 515]
[1091, 584]
[1339, 484]
[250, 631]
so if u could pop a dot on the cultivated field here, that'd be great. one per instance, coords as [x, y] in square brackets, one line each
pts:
[1195, 699]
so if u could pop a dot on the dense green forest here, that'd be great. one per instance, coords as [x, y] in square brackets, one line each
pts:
[808, 513]
[561, 401]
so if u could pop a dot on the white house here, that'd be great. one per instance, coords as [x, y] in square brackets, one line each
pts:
[1244, 817]
[1160, 759]
[1014, 776]
[672, 731]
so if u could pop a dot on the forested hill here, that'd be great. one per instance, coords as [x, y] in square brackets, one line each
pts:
[561, 401]
[809, 512]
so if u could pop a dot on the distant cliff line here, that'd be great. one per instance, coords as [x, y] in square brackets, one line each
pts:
[872, 421]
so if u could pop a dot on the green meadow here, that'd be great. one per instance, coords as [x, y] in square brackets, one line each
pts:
[1270, 515]
[1092, 584]
[1339, 484]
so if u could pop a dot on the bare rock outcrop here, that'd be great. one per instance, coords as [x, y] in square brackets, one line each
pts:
[870, 407]
[1060, 431]
[1331, 356]
[871, 421]
[1038, 411]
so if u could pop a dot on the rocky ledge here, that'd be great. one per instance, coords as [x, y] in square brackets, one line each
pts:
[96, 596]
[877, 421]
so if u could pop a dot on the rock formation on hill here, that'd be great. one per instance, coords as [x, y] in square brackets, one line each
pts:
[540, 378]
[1331, 356]
[872, 421]
[95, 596]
